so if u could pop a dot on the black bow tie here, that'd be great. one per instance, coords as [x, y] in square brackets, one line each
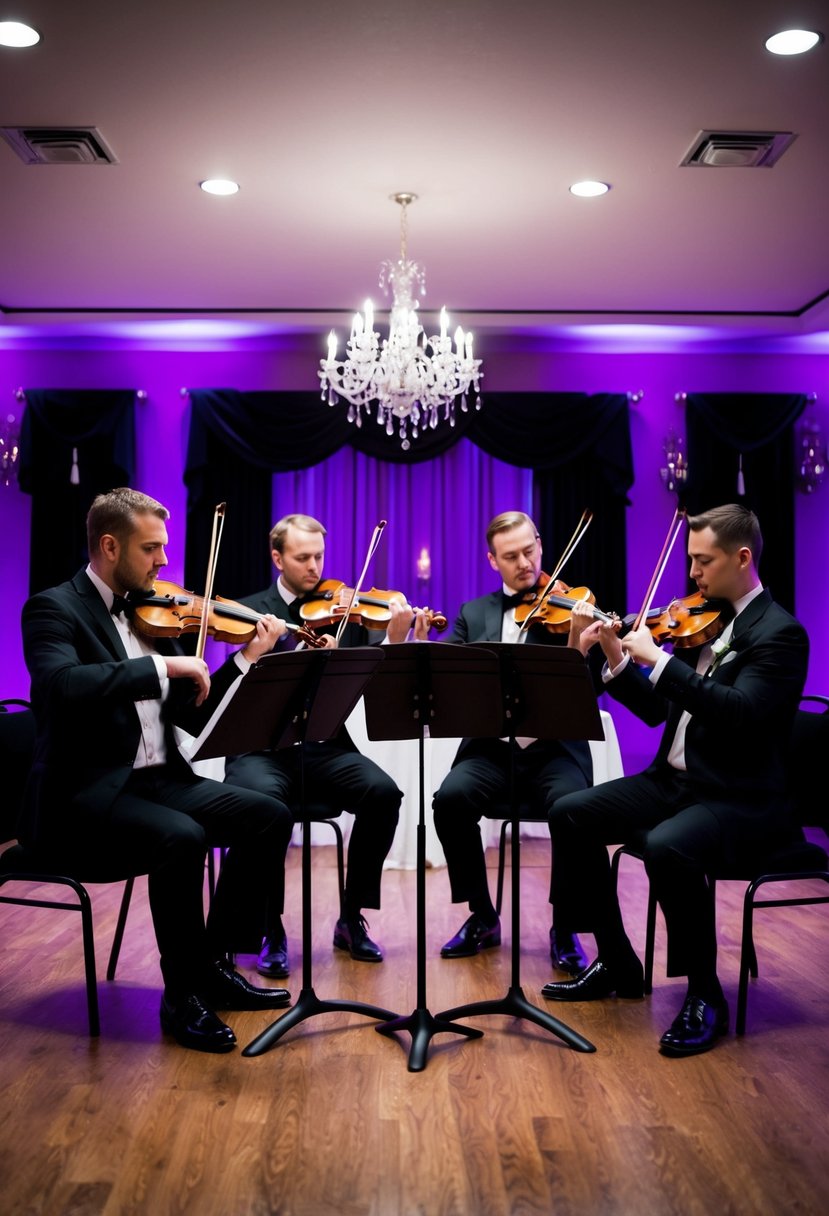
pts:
[512, 601]
[120, 604]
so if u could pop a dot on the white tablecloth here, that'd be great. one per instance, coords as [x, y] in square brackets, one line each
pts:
[400, 759]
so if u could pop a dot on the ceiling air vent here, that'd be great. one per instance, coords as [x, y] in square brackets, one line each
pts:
[738, 149]
[59, 145]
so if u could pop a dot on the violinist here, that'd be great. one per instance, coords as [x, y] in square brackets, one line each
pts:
[109, 788]
[715, 791]
[546, 769]
[335, 771]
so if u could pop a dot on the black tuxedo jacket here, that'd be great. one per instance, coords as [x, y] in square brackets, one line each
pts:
[84, 691]
[480, 620]
[741, 714]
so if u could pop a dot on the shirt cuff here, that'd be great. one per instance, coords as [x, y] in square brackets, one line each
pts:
[160, 666]
[608, 674]
[659, 666]
[242, 663]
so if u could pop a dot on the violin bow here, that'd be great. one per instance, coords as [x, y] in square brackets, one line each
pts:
[670, 539]
[569, 548]
[372, 549]
[218, 525]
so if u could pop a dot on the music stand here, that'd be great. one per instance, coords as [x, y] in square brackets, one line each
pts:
[546, 693]
[283, 700]
[448, 689]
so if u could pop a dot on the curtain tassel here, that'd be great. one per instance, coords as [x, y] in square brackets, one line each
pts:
[74, 476]
[741, 481]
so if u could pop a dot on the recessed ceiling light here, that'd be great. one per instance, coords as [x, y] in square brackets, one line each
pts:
[793, 42]
[219, 185]
[589, 189]
[15, 33]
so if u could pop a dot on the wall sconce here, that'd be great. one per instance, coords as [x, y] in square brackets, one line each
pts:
[811, 463]
[676, 468]
[424, 566]
[9, 448]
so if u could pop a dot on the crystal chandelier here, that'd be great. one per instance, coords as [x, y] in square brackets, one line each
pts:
[411, 377]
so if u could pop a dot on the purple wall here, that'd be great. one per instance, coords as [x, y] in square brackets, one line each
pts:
[162, 428]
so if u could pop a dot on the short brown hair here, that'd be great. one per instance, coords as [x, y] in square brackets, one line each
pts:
[735, 527]
[505, 522]
[306, 523]
[114, 513]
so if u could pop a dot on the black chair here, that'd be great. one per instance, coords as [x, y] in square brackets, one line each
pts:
[24, 865]
[502, 812]
[799, 860]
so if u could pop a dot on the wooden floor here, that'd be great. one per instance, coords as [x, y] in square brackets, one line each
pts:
[330, 1120]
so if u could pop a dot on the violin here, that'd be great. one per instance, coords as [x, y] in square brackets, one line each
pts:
[331, 600]
[552, 608]
[168, 611]
[685, 622]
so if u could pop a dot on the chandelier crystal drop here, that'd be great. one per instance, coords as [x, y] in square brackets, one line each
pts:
[412, 378]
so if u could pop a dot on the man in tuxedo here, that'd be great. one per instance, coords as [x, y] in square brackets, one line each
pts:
[545, 769]
[335, 771]
[109, 788]
[715, 793]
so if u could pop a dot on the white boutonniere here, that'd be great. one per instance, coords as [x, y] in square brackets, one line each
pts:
[719, 648]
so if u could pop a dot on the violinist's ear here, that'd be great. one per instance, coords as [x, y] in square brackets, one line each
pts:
[276, 558]
[108, 546]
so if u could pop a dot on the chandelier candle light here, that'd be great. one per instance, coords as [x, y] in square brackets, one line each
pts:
[411, 377]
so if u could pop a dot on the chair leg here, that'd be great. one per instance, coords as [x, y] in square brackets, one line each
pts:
[748, 957]
[89, 960]
[502, 863]
[650, 941]
[119, 928]
[332, 823]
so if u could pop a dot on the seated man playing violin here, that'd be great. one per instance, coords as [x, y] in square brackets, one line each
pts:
[109, 788]
[546, 769]
[715, 791]
[335, 771]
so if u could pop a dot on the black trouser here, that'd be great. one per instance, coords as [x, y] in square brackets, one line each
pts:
[161, 825]
[682, 841]
[480, 779]
[348, 781]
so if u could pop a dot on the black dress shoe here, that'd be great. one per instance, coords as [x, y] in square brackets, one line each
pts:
[194, 1025]
[227, 989]
[696, 1028]
[566, 953]
[273, 957]
[597, 982]
[351, 935]
[472, 937]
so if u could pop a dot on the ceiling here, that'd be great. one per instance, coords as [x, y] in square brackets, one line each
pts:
[486, 110]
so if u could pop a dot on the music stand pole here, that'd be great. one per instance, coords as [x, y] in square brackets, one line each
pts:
[420, 685]
[526, 691]
[285, 700]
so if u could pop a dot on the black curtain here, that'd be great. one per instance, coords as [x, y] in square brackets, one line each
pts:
[759, 427]
[578, 446]
[98, 425]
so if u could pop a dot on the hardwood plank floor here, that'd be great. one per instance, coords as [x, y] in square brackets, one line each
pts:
[330, 1120]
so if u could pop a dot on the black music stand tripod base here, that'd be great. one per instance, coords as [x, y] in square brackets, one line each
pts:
[516, 1005]
[423, 1026]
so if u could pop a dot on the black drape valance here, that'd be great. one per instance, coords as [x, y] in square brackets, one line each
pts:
[741, 449]
[73, 446]
[577, 444]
